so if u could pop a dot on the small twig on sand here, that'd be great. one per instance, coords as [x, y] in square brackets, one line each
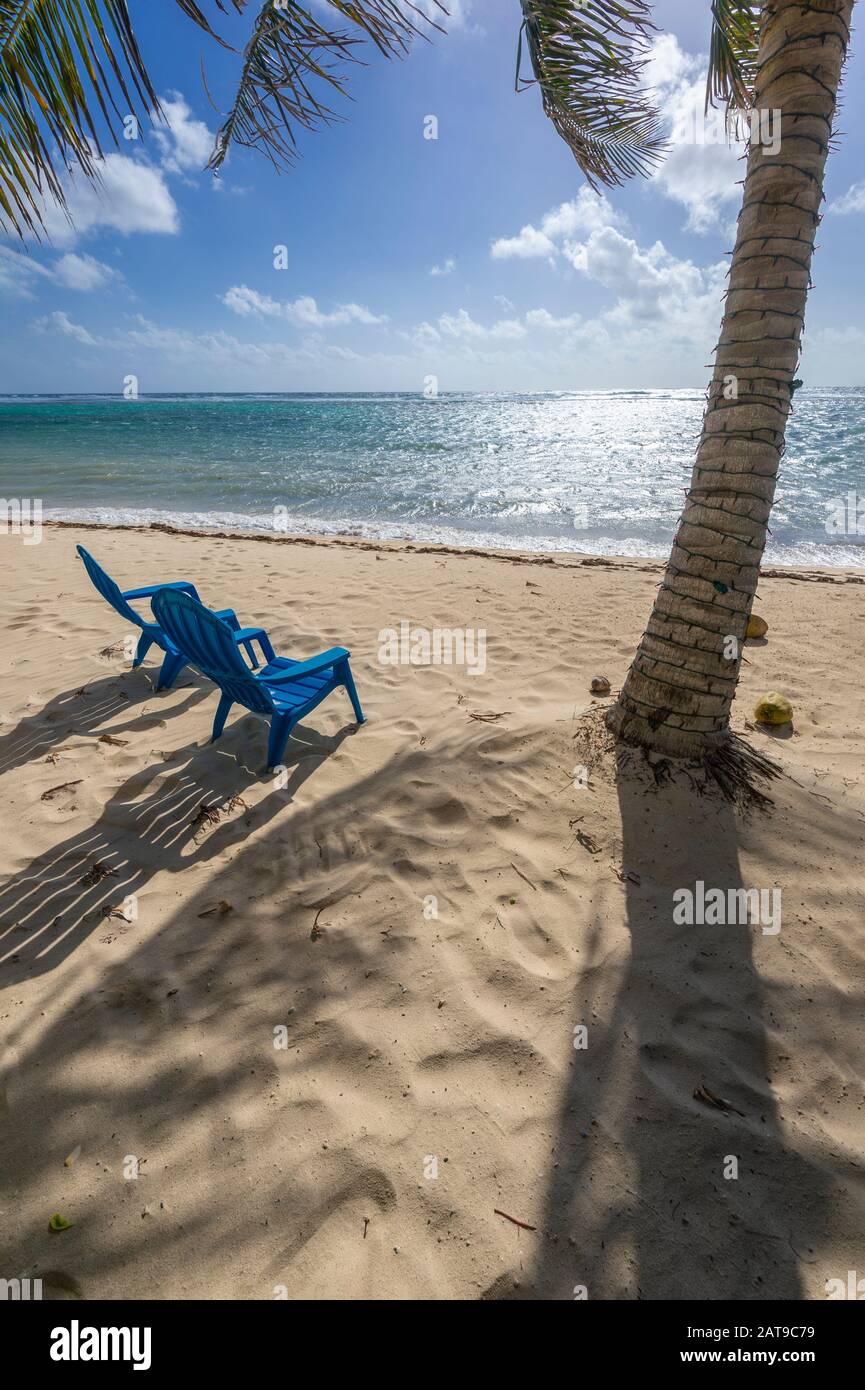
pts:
[708, 1097]
[63, 787]
[523, 1225]
[523, 877]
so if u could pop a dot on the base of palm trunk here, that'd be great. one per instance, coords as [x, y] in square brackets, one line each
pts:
[726, 759]
[663, 738]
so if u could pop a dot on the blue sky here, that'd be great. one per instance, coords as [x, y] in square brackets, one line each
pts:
[480, 258]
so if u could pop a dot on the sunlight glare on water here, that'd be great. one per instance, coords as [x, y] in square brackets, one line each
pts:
[594, 472]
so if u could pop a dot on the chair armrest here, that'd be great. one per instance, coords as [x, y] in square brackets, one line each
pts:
[307, 668]
[149, 589]
[245, 636]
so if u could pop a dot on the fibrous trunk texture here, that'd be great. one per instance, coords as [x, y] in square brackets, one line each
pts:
[680, 687]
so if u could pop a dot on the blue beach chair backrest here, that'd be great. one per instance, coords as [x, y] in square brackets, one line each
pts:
[209, 644]
[109, 590]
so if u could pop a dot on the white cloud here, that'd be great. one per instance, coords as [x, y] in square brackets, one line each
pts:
[19, 273]
[243, 300]
[661, 318]
[542, 318]
[425, 335]
[305, 312]
[462, 325]
[82, 272]
[851, 201]
[236, 190]
[302, 312]
[185, 142]
[155, 349]
[659, 299]
[528, 243]
[668, 66]
[652, 285]
[701, 169]
[178, 344]
[61, 323]
[446, 268]
[130, 197]
[454, 15]
[130, 194]
[585, 213]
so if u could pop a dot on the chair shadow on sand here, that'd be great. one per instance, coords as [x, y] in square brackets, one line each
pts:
[693, 1008]
[160, 820]
[113, 705]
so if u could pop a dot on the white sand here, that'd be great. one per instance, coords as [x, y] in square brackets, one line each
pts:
[411, 1038]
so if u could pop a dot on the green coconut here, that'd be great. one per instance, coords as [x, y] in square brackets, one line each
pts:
[773, 709]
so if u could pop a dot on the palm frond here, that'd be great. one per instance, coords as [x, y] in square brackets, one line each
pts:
[587, 58]
[733, 54]
[294, 63]
[63, 64]
[194, 12]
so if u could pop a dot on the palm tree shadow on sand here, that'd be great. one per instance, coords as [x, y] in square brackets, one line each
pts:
[260, 959]
[638, 1204]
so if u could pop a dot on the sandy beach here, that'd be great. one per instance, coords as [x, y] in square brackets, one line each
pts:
[318, 1035]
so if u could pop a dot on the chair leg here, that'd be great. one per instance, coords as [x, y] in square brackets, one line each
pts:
[281, 726]
[171, 668]
[222, 709]
[348, 681]
[145, 642]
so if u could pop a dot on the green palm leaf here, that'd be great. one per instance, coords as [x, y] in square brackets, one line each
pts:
[61, 63]
[293, 64]
[587, 58]
[733, 53]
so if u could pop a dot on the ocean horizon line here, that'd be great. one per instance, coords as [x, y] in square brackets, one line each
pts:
[385, 392]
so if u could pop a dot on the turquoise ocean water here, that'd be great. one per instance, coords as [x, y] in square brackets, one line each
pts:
[597, 473]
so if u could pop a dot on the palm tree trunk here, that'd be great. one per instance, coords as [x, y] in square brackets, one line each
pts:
[679, 690]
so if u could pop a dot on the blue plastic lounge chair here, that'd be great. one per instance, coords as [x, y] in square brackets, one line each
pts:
[284, 690]
[174, 661]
